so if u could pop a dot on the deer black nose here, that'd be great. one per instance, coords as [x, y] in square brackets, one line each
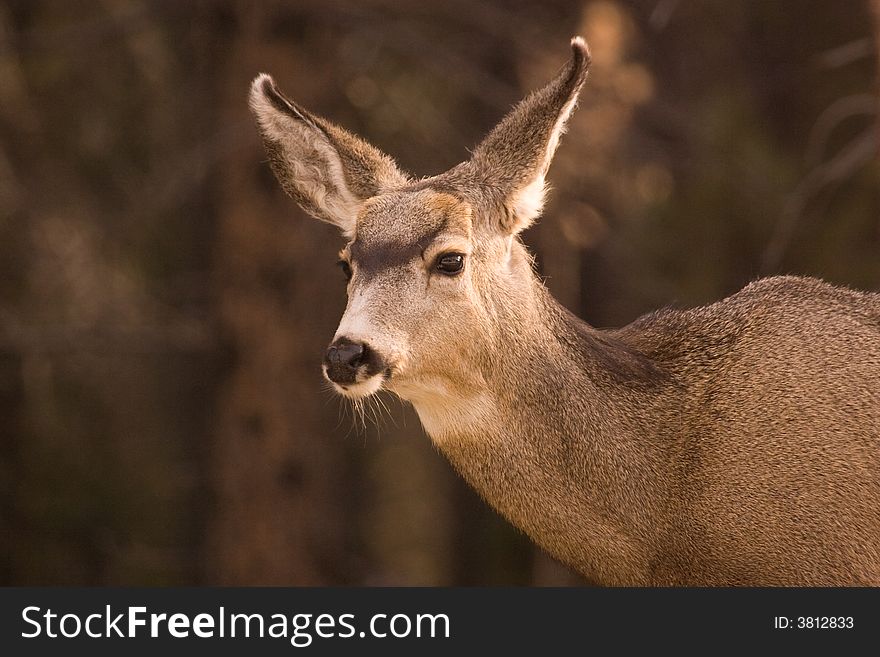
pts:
[342, 360]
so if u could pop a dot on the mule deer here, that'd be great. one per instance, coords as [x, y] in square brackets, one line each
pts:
[732, 444]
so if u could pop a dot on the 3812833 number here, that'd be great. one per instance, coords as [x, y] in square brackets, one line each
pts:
[824, 622]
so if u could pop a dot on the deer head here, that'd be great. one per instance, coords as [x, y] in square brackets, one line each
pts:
[428, 260]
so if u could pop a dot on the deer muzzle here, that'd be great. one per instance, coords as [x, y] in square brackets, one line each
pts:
[349, 364]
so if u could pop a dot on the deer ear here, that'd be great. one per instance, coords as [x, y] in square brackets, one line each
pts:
[513, 160]
[325, 169]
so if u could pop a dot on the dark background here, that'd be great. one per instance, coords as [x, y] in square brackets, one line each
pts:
[164, 308]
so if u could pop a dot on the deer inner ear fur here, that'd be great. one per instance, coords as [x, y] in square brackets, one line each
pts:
[325, 169]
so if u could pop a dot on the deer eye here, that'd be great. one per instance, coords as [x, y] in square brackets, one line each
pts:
[449, 264]
[346, 269]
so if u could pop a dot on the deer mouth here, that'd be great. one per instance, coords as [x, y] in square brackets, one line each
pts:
[364, 384]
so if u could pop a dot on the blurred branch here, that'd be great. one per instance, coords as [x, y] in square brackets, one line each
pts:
[845, 54]
[834, 115]
[850, 159]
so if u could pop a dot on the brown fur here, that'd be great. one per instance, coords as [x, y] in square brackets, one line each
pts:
[733, 444]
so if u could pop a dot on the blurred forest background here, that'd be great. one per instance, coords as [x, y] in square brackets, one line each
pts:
[164, 308]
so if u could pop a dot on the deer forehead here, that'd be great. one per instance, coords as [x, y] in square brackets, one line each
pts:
[397, 227]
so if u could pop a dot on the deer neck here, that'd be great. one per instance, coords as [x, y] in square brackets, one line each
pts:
[556, 433]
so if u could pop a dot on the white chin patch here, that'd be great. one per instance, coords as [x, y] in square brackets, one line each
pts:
[360, 389]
